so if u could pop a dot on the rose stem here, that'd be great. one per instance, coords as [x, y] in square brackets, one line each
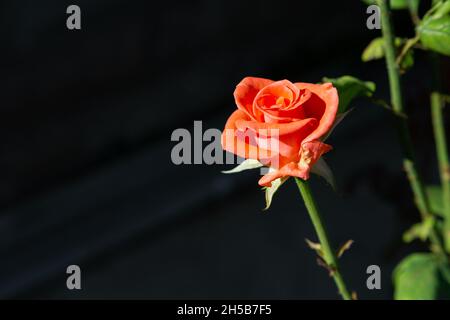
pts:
[328, 253]
[402, 126]
[441, 146]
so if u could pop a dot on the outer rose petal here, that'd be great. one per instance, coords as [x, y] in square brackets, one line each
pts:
[306, 125]
[322, 105]
[291, 169]
[311, 152]
[246, 91]
[232, 143]
[285, 138]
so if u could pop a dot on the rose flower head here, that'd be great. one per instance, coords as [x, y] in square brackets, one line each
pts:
[281, 125]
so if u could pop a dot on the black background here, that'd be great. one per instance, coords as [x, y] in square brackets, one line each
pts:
[86, 177]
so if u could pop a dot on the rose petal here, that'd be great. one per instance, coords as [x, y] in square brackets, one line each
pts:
[311, 152]
[289, 170]
[283, 140]
[306, 125]
[322, 105]
[266, 103]
[242, 143]
[246, 91]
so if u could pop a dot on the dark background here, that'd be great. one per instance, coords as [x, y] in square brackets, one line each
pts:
[86, 176]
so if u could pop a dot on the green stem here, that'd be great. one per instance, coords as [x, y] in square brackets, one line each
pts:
[409, 162]
[441, 147]
[328, 253]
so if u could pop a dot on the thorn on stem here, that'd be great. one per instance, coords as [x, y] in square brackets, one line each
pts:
[322, 263]
[314, 246]
[346, 246]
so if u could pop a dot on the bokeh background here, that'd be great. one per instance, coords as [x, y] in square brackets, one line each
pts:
[86, 177]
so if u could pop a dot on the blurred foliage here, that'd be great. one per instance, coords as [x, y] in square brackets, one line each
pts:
[399, 4]
[422, 276]
[435, 196]
[375, 51]
[350, 88]
[435, 34]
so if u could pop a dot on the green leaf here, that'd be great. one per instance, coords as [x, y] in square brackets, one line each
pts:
[405, 4]
[421, 276]
[405, 52]
[399, 4]
[434, 194]
[350, 88]
[442, 9]
[420, 230]
[408, 60]
[435, 34]
[375, 50]
[270, 191]
[245, 165]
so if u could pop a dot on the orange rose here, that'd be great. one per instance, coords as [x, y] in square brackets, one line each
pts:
[296, 116]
